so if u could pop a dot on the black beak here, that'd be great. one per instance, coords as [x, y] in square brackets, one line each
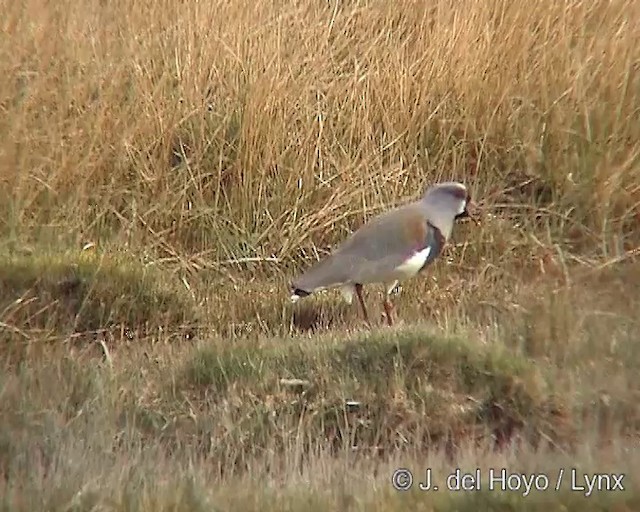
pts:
[466, 214]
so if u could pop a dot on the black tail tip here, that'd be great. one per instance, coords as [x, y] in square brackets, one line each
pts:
[300, 292]
[297, 294]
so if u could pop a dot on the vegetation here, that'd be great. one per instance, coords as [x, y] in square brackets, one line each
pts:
[167, 168]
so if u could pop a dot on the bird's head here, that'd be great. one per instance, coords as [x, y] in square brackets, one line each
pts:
[447, 202]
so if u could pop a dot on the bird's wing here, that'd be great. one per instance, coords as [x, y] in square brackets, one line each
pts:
[382, 249]
[375, 250]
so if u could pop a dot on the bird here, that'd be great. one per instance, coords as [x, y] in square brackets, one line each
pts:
[391, 247]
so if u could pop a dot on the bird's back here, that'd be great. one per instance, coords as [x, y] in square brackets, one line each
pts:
[373, 251]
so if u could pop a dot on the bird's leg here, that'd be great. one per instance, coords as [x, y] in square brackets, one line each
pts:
[388, 308]
[386, 303]
[358, 288]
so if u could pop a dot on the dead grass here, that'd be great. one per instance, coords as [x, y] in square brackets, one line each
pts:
[210, 150]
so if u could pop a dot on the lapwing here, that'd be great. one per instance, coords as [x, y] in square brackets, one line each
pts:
[391, 247]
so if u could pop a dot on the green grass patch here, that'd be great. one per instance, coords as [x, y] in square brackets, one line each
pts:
[377, 392]
[57, 294]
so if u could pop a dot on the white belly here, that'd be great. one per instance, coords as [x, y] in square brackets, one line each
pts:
[413, 265]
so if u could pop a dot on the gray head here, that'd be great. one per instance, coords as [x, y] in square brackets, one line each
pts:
[446, 202]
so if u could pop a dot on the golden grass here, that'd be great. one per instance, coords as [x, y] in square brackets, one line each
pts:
[252, 129]
[226, 145]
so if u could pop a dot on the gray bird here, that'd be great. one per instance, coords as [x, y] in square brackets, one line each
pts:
[391, 247]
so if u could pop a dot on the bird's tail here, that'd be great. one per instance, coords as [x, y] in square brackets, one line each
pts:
[298, 293]
[322, 276]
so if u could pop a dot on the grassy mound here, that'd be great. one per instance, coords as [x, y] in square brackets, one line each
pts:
[375, 393]
[61, 294]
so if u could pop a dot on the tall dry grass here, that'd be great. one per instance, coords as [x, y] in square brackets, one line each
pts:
[245, 129]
